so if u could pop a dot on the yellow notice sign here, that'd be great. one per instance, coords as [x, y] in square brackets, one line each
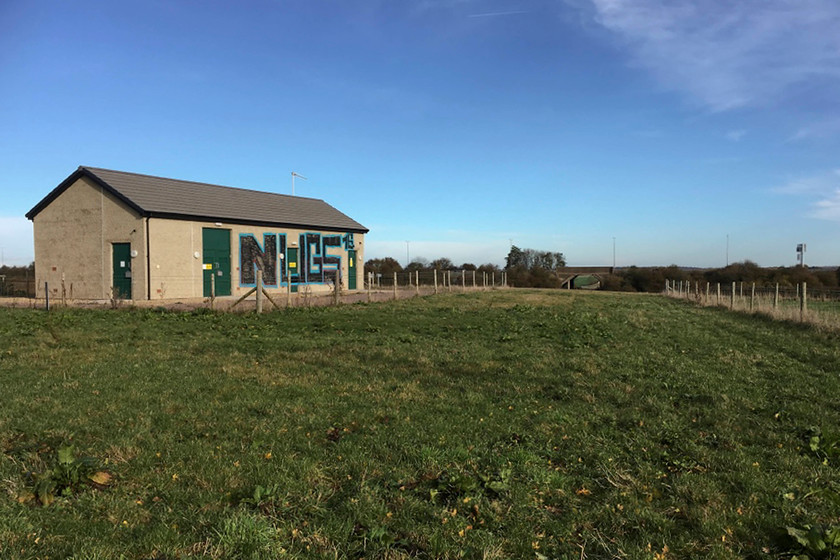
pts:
[292, 265]
[207, 267]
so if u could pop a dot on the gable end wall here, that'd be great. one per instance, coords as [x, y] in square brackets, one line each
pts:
[73, 243]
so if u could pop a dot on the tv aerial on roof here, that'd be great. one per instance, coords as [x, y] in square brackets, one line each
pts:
[293, 180]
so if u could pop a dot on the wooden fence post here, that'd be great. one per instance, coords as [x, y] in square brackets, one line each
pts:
[473, 279]
[395, 285]
[212, 289]
[707, 293]
[752, 298]
[259, 291]
[370, 281]
[732, 297]
[464, 280]
[803, 302]
[417, 281]
[718, 293]
[776, 297]
[493, 278]
[435, 271]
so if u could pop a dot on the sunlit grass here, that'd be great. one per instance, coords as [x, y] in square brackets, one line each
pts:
[509, 424]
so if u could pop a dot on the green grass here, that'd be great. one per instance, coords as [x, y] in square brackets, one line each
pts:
[511, 424]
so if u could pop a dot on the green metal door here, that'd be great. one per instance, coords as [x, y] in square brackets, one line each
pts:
[294, 269]
[216, 247]
[122, 270]
[351, 270]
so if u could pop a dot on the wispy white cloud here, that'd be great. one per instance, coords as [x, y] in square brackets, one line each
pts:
[496, 14]
[815, 130]
[736, 135]
[829, 207]
[822, 190]
[724, 54]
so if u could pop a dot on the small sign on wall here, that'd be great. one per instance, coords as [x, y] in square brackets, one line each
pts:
[207, 267]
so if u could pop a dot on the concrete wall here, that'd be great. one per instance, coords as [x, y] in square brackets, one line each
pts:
[73, 237]
[177, 258]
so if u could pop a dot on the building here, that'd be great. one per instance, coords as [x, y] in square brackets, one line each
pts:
[105, 234]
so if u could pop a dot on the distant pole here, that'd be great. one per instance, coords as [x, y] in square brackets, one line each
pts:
[293, 180]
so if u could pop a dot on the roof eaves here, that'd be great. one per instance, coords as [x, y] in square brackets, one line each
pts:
[72, 178]
[261, 223]
[53, 194]
[120, 196]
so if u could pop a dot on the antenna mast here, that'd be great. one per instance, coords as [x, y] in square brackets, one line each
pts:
[293, 180]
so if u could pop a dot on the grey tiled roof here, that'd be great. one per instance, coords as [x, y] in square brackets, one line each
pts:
[162, 197]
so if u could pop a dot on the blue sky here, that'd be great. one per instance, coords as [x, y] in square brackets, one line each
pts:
[457, 125]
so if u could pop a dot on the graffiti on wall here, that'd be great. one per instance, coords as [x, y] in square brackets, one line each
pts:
[319, 258]
[252, 257]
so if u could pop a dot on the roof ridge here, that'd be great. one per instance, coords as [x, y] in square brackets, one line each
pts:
[95, 169]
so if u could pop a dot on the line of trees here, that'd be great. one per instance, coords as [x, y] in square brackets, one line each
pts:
[530, 268]
[388, 266]
[524, 267]
[652, 279]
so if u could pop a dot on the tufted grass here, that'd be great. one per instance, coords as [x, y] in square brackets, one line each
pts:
[507, 424]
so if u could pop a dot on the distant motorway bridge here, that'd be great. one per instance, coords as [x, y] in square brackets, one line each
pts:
[583, 277]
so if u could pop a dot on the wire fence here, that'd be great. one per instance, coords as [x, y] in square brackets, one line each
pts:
[797, 303]
[375, 287]
[16, 286]
[443, 279]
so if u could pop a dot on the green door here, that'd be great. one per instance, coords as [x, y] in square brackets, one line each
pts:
[294, 268]
[351, 270]
[216, 247]
[122, 270]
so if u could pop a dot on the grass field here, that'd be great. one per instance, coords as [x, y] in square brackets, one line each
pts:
[507, 424]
